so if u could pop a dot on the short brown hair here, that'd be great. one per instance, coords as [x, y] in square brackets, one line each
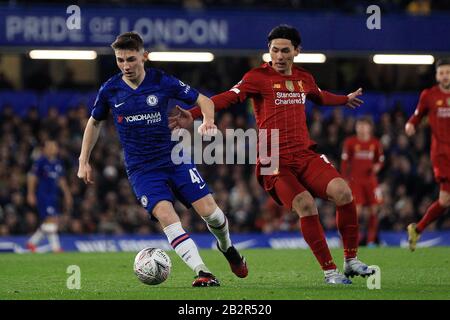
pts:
[367, 119]
[128, 41]
[442, 62]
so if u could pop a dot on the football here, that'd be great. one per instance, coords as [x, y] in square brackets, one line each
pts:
[152, 266]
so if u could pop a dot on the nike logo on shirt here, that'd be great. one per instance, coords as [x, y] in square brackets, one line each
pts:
[118, 105]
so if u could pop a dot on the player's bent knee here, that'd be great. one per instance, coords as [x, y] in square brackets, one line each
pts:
[339, 192]
[444, 199]
[342, 196]
[205, 206]
[304, 205]
[165, 213]
[345, 196]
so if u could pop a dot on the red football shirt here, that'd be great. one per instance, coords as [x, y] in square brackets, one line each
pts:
[359, 158]
[279, 103]
[436, 104]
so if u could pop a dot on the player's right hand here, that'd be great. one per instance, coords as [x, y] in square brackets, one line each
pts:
[207, 128]
[353, 100]
[180, 119]
[31, 199]
[410, 129]
[85, 173]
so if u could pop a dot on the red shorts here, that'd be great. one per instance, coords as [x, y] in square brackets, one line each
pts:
[441, 167]
[307, 171]
[366, 193]
[441, 170]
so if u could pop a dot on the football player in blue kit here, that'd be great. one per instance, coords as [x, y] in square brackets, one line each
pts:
[44, 183]
[137, 98]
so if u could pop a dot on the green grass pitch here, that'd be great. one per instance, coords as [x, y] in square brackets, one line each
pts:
[273, 274]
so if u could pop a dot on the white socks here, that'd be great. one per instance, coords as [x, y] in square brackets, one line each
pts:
[185, 247]
[37, 236]
[218, 225]
[51, 231]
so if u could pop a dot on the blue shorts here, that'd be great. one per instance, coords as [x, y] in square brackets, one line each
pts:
[182, 182]
[47, 207]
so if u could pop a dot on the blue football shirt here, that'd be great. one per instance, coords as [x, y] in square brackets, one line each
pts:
[48, 174]
[140, 116]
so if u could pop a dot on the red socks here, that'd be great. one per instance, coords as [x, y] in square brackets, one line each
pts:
[347, 223]
[372, 227]
[433, 212]
[315, 237]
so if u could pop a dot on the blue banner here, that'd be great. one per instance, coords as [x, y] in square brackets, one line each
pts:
[219, 29]
[279, 240]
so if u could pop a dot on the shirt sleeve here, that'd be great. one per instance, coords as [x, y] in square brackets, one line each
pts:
[421, 109]
[100, 109]
[325, 98]
[238, 93]
[180, 90]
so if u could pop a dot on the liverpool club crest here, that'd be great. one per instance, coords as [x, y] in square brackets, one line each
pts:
[290, 85]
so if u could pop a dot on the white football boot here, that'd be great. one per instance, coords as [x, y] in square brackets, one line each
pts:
[354, 267]
[335, 277]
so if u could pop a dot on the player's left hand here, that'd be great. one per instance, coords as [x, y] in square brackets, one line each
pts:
[207, 128]
[376, 168]
[353, 100]
[180, 118]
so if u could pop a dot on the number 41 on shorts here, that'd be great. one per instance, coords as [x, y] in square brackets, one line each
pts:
[195, 176]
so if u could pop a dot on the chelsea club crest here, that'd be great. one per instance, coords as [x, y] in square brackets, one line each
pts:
[144, 201]
[152, 100]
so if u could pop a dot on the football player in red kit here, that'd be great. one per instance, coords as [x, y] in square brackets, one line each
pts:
[279, 90]
[362, 158]
[435, 102]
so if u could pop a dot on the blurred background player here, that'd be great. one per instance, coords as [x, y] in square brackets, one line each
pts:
[362, 158]
[137, 98]
[434, 102]
[279, 91]
[45, 182]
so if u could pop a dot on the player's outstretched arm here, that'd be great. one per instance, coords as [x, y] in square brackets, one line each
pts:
[31, 187]
[353, 100]
[68, 200]
[207, 107]
[325, 98]
[90, 136]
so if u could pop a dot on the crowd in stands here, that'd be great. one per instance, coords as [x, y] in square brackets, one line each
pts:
[110, 207]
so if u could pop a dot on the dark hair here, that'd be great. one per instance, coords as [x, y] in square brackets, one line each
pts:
[284, 31]
[128, 41]
[442, 62]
